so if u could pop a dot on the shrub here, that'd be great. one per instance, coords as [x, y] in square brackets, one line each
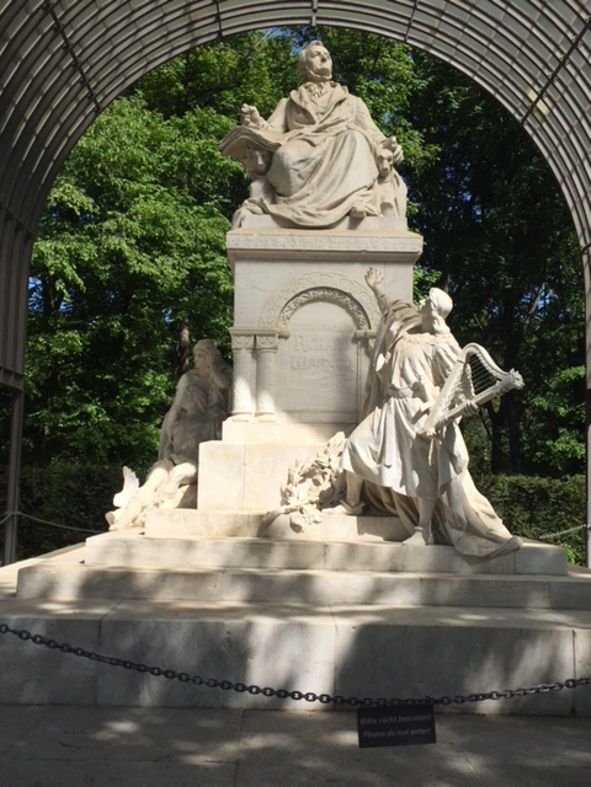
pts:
[79, 496]
[533, 506]
[67, 494]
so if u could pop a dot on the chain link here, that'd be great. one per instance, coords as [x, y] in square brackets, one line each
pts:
[267, 691]
[57, 525]
[557, 533]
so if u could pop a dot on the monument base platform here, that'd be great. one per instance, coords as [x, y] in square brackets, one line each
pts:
[243, 570]
[351, 619]
[185, 523]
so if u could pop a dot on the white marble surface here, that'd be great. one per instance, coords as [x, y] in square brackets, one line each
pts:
[344, 649]
[340, 543]
[305, 585]
[279, 431]
[320, 367]
[266, 282]
[303, 316]
[264, 237]
[244, 476]
[410, 639]
[319, 158]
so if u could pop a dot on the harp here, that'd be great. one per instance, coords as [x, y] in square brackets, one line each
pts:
[475, 379]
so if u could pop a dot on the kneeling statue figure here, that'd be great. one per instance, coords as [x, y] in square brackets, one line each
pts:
[403, 458]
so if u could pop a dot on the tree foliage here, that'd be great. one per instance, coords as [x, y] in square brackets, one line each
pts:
[131, 247]
[126, 254]
[498, 229]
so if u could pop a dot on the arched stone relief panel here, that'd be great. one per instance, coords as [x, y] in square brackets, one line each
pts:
[327, 295]
[321, 286]
[321, 364]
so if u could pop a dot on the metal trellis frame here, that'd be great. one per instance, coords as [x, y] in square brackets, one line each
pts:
[62, 62]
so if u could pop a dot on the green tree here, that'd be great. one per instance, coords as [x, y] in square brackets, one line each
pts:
[498, 229]
[253, 68]
[131, 248]
[128, 252]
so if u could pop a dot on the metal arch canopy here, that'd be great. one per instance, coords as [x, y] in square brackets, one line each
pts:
[63, 61]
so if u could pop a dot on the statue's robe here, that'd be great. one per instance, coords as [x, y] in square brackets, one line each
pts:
[409, 367]
[326, 150]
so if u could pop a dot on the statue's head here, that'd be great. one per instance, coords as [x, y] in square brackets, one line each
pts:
[315, 63]
[441, 300]
[434, 309]
[206, 355]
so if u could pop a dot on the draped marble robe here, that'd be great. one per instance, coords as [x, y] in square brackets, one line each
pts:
[327, 157]
[409, 367]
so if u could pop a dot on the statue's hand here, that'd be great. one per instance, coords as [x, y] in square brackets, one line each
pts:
[426, 434]
[249, 116]
[469, 408]
[374, 277]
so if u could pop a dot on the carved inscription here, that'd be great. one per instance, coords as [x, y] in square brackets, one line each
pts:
[306, 241]
[312, 353]
[317, 366]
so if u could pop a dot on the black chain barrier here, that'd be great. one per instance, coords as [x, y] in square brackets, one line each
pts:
[283, 694]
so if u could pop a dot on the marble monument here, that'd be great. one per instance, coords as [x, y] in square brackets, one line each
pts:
[319, 157]
[311, 593]
[320, 351]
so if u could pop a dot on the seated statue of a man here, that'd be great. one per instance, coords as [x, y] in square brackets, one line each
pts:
[319, 157]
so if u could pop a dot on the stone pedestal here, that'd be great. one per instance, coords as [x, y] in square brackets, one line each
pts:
[304, 319]
[304, 313]
[322, 616]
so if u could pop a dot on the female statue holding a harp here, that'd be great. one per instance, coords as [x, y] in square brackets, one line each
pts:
[412, 465]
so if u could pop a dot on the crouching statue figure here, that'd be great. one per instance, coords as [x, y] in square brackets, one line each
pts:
[200, 405]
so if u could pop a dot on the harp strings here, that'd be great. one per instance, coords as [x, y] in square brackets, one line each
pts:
[481, 377]
[474, 379]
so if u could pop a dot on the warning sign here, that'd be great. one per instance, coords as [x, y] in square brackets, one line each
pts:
[396, 725]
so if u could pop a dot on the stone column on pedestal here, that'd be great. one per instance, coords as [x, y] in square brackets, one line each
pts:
[266, 351]
[244, 374]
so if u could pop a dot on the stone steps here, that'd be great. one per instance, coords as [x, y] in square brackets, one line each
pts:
[245, 570]
[412, 635]
[306, 586]
[377, 651]
[134, 550]
[162, 523]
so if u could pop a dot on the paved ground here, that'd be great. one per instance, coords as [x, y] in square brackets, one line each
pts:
[80, 747]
